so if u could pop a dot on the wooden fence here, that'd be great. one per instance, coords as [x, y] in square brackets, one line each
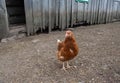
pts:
[52, 14]
[61, 14]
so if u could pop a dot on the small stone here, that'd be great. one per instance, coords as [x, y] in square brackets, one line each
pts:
[21, 36]
[116, 75]
[4, 40]
[81, 82]
[12, 38]
[104, 67]
[35, 41]
[99, 33]
[87, 44]
[92, 79]
[113, 43]
[76, 62]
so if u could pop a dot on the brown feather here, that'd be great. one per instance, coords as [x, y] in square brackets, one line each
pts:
[68, 48]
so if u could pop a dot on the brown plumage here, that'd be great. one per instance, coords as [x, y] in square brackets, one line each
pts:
[67, 49]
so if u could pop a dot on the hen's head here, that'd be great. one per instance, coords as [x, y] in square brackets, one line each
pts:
[69, 34]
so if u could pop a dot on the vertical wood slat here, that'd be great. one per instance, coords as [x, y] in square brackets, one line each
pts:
[3, 20]
[36, 22]
[62, 15]
[80, 12]
[50, 13]
[103, 10]
[93, 12]
[111, 9]
[107, 11]
[89, 12]
[57, 13]
[72, 12]
[102, 13]
[29, 16]
[97, 10]
[119, 10]
[92, 7]
[43, 13]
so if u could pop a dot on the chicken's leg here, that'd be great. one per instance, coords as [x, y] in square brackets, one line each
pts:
[68, 66]
[64, 66]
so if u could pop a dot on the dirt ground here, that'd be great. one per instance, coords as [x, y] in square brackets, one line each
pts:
[33, 59]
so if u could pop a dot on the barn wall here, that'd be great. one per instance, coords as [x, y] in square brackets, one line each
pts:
[51, 14]
[3, 20]
[60, 14]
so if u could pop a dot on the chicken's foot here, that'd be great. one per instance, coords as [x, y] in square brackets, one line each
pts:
[68, 66]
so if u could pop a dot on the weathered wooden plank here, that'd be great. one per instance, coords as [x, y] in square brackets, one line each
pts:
[119, 11]
[29, 16]
[53, 14]
[110, 11]
[37, 15]
[57, 13]
[85, 11]
[80, 12]
[111, 6]
[89, 12]
[102, 11]
[115, 10]
[50, 18]
[3, 20]
[73, 19]
[92, 9]
[107, 8]
[68, 13]
[68, 9]
[43, 13]
[96, 12]
[76, 11]
[99, 11]
[46, 8]
[93, 16]
[62, 14]
[104, 2]
[95, 8]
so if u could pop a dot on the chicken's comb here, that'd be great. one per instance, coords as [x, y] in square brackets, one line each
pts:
[69, 29]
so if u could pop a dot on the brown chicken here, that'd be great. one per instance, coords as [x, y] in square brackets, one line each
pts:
[67, 49]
